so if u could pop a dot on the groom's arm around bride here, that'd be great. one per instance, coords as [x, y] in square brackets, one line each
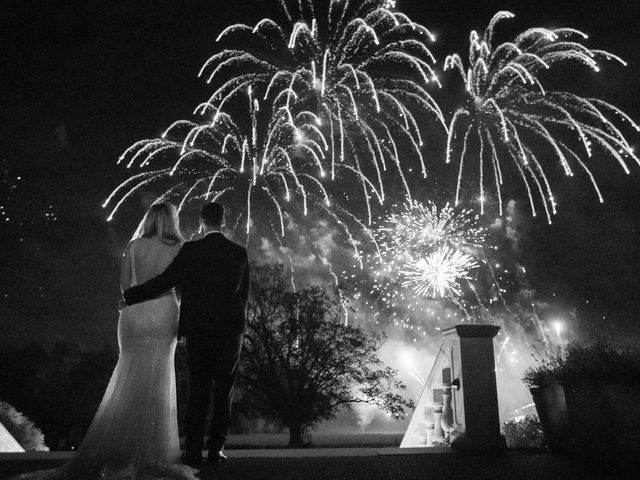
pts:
[213, 277]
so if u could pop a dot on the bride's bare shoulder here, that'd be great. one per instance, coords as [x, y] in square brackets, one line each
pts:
[142, 245]
[146, 242]
[156, 244]
[137, 244]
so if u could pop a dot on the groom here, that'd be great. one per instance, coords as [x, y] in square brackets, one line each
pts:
[212, 276]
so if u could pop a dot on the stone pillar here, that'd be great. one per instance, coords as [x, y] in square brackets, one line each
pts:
[478, 394]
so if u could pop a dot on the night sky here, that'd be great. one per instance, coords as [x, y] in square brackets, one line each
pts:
[81, 81]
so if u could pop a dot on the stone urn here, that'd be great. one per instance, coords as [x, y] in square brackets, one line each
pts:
[551, 406]
[584, 421]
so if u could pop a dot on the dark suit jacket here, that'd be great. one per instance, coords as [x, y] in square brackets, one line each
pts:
[212, 275]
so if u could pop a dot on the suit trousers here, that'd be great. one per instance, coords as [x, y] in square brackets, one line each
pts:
[213, 369]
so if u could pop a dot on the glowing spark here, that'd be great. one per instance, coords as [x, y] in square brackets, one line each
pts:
[366, 64]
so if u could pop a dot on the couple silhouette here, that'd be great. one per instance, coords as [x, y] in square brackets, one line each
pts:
[134, 433]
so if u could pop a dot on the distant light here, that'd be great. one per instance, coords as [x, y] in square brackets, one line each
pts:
[558, 327]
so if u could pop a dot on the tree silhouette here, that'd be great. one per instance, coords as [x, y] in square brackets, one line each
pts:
[301, 363]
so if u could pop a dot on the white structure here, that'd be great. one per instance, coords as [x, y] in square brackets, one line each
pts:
[459, 403]
[8, 444]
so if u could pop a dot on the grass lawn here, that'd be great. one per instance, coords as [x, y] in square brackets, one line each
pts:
[318, 440]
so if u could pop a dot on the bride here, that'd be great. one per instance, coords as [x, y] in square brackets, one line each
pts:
[134, 434]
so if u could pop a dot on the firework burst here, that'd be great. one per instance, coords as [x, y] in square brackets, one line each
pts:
[423, 226]
[268, 166]
[361, 67]
[428, 259]
[438, 274]
[509, 114]
[428, 248]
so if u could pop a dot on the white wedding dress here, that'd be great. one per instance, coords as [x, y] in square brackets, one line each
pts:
[134, 434]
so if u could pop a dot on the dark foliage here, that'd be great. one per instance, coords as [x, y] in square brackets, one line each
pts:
[22, 429]
[523, 433]
[596, 363]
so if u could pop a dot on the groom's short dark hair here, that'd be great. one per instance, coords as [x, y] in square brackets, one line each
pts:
[212, 214]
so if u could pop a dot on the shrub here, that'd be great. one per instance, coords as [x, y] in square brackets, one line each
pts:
[586, 364]
[523, 432]
[22, 429]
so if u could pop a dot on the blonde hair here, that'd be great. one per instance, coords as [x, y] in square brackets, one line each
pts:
[162, 220]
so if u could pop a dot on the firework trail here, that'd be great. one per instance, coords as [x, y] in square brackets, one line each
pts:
[362, 68]
[509, 114]
[267, 165]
